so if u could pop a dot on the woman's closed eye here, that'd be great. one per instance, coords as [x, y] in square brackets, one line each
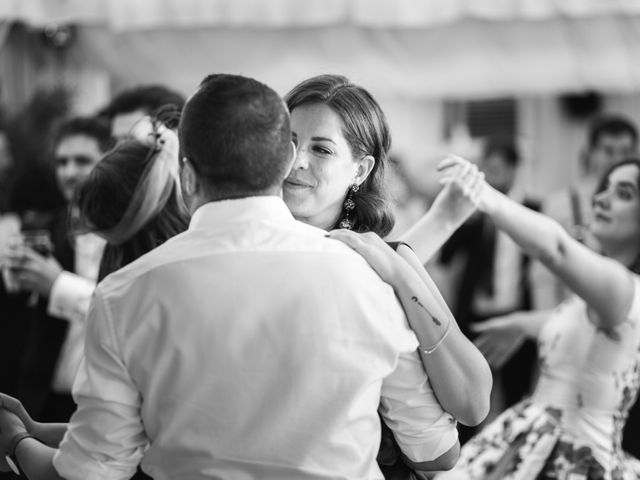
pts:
[322, 150]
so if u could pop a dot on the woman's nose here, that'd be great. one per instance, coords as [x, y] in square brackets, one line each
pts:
[601, 199]
[302, 160]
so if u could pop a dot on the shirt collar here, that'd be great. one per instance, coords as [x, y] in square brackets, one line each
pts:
[261, 207]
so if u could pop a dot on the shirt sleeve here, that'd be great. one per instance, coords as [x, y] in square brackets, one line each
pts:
[105, 438]
[423, 430]
[70, 297]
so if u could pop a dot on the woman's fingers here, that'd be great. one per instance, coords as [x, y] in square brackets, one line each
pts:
[347, 236]
[452, 161]
[482, 327]
[15, 406]
[358, 240]
[476, 188]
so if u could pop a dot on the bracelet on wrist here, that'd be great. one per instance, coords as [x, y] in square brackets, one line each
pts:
[429, 350]
[10, 454]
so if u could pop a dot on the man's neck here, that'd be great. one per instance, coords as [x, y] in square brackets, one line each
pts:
[200, 200]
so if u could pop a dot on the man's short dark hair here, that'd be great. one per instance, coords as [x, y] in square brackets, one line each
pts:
[504, 148]
[613, 125]
[94, 127]
[148, 98]
[235, 131]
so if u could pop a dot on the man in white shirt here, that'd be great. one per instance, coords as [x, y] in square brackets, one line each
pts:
[61, 282]
[250, 346]
[494, 280]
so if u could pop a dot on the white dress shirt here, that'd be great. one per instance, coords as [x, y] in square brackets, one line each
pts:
[69, 299]
[250, 346]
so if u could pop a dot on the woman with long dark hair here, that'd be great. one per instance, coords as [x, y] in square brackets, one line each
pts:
[589, 346]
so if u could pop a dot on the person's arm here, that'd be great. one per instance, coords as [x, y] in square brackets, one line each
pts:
[70, 297]
[106, 437]
[48, 433]
[547, 290]
[34, 272]
[455, 203]
[501, 337]
[36, 460]
[459, 374]
[32, 457]
[425, 433]
[605, 284]
[425, 470]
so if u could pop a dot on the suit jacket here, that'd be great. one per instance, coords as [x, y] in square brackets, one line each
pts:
[468, 240]
[48, 333]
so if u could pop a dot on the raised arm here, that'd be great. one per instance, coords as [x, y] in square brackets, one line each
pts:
[457, 371]
[605, 284]
[455, 203]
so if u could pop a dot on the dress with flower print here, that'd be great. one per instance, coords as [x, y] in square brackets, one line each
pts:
[571, 426]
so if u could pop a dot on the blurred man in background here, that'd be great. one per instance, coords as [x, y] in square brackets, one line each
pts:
[59, 278]
[495, 276]
[130, 105]
[610, 138]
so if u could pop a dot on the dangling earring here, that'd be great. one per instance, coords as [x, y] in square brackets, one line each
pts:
[349, 206]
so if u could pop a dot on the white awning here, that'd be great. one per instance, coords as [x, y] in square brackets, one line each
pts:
[153, 14]
[412, 48]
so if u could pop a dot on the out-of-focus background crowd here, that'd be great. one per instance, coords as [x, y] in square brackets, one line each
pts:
[449, 75]
[519, 86]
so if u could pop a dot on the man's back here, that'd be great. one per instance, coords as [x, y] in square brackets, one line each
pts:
[254, 348]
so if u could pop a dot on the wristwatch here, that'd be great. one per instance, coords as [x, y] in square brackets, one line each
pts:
[10, 454]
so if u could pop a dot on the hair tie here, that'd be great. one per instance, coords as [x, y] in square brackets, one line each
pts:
[156, 183]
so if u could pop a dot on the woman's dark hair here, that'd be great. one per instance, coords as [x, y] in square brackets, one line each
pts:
[366, 130]
[602, 185]
[104, 197]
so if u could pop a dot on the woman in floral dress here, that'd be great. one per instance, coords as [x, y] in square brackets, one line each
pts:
[589, 346]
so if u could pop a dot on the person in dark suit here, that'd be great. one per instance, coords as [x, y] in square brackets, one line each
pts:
[494, 279]
[58, 278]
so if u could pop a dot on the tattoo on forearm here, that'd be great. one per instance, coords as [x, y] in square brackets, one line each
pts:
[435, 320]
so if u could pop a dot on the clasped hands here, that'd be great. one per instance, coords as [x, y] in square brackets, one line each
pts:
[14, 419]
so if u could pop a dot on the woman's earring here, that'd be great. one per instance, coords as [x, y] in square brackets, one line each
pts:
[349, 206]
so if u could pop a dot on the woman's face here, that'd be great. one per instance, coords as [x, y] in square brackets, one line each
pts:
[324, 167]
[616, 209]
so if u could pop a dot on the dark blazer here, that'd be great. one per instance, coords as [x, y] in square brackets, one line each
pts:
[15, 328]
[48, 333]
[470, 240]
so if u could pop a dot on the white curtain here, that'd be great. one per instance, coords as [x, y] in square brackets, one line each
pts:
[410, 48]
[150, 14]
[470, 58]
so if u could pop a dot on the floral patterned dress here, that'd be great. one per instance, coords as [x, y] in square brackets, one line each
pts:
[571, 427]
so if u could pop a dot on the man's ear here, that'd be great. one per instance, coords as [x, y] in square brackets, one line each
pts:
[187, 177]
[365, 165]
[292, 157]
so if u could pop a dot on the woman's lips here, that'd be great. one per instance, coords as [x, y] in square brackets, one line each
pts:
[601, 217]
[297, 183]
